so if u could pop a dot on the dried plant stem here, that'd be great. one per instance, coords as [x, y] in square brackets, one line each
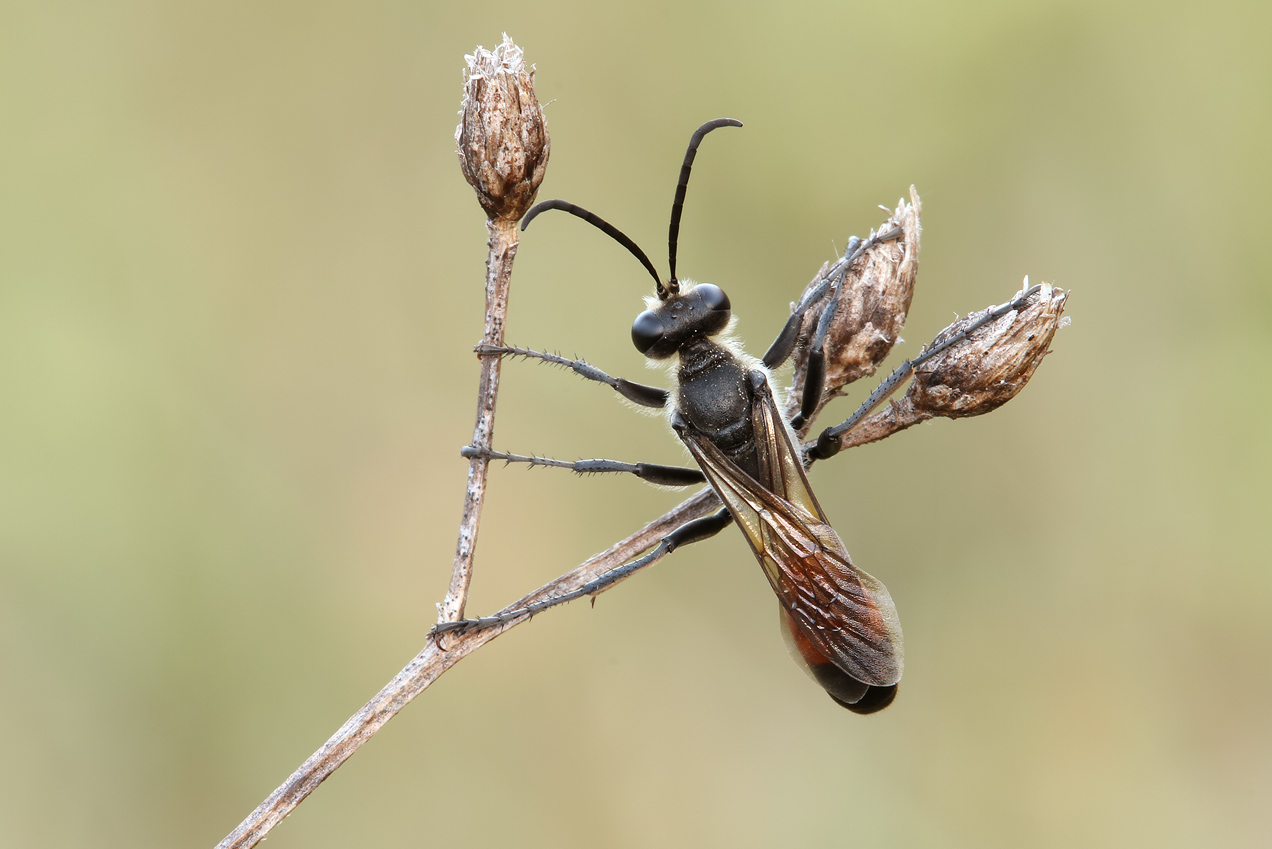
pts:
[503, 250]
[433, 660]
[438, 655]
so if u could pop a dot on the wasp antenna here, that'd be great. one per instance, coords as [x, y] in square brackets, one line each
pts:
[682, 185]
[604, 226]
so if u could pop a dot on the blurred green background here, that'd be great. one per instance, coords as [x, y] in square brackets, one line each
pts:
[240, 279]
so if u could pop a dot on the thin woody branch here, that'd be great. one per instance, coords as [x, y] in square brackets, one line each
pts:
[503, 250]
[440, 653]
[503, 146]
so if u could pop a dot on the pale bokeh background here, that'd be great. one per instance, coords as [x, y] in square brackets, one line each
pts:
[240, 276]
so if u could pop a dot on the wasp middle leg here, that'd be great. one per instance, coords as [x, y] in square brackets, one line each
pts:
[653, 473]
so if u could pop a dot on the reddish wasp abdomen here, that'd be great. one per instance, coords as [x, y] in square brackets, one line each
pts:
[839, 685]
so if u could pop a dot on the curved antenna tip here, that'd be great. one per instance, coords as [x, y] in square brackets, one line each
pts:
[536, 209]
[716, 123]
[682, 185]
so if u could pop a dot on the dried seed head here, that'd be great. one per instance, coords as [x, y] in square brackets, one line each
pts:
[975, 375]
[873, 300]
[502, 138]
[987, 369]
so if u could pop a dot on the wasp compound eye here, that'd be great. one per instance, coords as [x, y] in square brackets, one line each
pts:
[647, 331]
[713, 297]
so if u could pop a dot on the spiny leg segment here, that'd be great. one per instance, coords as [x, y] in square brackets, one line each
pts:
[639, 393]
[654, 473]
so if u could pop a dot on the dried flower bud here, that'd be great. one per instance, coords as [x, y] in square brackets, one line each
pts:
[873, 300]
[502, 138]
[975, 375]
[986, 370]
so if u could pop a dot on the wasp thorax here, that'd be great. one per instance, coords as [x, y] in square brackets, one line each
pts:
[694, 312]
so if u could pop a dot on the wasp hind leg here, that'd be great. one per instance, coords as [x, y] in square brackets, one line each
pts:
[688, 533]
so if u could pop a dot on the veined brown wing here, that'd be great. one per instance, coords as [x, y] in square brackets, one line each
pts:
[845, 614]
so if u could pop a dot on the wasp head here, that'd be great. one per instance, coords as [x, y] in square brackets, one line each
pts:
[693, 312]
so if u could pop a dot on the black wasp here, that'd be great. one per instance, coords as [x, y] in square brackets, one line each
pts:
[840, 622]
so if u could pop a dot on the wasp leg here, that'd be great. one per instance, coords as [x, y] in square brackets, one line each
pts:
[690, 532]
[639, 393]
[815, 374]
[784, 345]
[650, 472]
[828, 443]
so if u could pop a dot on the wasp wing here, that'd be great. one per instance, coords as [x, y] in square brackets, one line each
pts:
[846, 614]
